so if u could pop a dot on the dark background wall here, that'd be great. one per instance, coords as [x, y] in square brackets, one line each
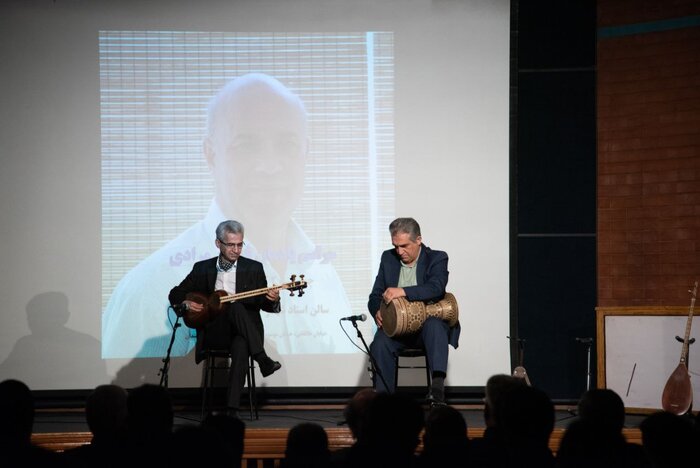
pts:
[606, 171]
[554, 164]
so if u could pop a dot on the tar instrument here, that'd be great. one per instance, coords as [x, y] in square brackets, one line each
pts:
[213, 304]
[403, 317]
[678, 392]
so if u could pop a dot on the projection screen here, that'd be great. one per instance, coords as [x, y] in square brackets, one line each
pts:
[115, 119]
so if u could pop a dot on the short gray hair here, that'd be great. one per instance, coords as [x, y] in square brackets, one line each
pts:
[406, 225]
[234, 227]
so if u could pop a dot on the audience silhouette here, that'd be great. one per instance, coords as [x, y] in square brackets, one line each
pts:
[356, 410]
[596, 438]
[17, 412]
[667, 439]
[307, 447]
[106, 414]
[150, 420]
[136, 428]
[205, 447]
[389, 433]
[526, 418]
[232, 431]
[445, 441]
[487, 451]
[355, 413]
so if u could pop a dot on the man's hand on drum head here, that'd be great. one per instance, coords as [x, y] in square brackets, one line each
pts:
[378, 318]
[392, 293]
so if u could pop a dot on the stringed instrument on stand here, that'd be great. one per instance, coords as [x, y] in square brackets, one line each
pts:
[213, 304]
[678, 392]
[519, 370]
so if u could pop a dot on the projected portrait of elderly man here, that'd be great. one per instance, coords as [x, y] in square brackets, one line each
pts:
[256, 148]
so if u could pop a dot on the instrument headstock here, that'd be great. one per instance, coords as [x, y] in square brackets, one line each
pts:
[297, 285]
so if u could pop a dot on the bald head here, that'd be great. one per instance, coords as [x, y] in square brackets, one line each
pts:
[255, 93]
[256, 149]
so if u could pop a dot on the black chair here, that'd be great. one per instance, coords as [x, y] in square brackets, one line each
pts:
[211, 356]
[412, 353]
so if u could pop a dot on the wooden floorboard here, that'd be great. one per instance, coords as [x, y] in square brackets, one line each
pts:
[265, 438]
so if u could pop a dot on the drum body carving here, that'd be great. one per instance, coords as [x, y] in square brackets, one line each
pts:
[402, 317]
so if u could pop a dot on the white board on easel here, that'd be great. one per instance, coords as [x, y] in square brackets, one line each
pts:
[638, 351]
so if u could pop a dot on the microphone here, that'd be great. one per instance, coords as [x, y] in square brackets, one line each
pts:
[353, 318]
[180, 309]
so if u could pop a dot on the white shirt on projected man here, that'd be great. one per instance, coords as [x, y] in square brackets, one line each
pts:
[136, 321]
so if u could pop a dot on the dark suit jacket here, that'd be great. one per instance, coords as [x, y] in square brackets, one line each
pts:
[202, 279]
[431, 276]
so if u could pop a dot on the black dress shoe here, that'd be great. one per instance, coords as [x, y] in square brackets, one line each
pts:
[269, 367]
[435, 401]
[437, 404]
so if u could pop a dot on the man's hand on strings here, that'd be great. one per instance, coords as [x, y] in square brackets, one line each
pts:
[273, 295]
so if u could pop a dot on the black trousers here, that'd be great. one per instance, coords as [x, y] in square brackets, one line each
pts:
[241, 331]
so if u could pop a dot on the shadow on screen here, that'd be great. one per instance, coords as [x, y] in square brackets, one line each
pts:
[53, 356]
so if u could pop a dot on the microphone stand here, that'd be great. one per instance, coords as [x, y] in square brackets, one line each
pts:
[373, 364]
[166, 360]
[588, 342]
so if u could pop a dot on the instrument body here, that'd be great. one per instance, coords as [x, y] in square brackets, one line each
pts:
[519, 370]
[678, 391]
[403, 317]
[520, 373]
[214, 303]
[677, 396]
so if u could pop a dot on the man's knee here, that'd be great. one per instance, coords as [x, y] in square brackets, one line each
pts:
[239, 345]
[381, 342]
[434, 325]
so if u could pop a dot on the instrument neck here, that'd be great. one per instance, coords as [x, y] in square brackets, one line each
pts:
[243, 295]
[686, 339]
[255, 292]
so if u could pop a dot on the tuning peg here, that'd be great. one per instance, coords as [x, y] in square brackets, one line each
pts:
[292, 278]
[302, 286]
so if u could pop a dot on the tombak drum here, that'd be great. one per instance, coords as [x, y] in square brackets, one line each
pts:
[402, 317]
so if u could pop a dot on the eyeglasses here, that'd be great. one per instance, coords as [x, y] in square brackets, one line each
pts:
[237, 246]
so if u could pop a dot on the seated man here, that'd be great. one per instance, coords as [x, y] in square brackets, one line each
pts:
[239, 324]
[418, 273]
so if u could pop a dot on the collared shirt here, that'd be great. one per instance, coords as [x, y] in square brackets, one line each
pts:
[225, 279]
[407, 275]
